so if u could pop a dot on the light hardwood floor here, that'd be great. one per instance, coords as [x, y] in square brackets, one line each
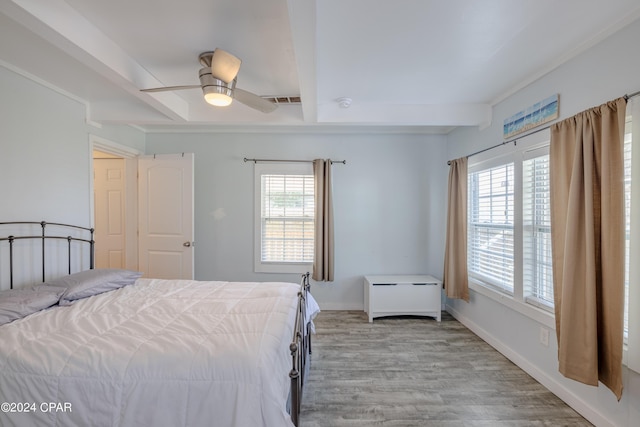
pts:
[411, 371]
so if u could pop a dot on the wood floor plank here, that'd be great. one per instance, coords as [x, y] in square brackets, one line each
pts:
[412, 371]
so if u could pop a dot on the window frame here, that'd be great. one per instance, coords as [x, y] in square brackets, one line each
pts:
[481, 167]
[516, 152]
[528, 292]
[631, 352]
[274, 168]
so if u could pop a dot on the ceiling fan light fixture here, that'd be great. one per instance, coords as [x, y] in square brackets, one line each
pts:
[219, 92]
[220, 96]
[216, 92]
[224, 65]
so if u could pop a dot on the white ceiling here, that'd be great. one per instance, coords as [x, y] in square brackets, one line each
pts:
[431, 64]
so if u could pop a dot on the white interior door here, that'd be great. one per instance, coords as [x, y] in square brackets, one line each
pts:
[165, 212]
[109, 199]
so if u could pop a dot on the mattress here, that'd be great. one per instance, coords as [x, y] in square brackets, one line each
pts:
[156, 353]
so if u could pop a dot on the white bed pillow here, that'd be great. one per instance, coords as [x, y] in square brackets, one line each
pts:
[92, 282]
[19, 303]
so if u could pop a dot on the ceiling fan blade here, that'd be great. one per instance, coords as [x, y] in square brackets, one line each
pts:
[163, 89]
[254, 101]
[224, 66]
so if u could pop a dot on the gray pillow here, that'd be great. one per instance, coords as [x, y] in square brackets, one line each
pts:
[92, 282]
[19, 303]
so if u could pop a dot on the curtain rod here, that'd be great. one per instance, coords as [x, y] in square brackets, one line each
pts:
[631, 95]
[344, 162]
[515, 140]
[508, 141]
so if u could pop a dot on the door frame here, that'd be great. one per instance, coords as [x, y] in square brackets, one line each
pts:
[131, 192]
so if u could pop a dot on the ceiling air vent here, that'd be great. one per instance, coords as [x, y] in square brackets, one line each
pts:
[283, 99]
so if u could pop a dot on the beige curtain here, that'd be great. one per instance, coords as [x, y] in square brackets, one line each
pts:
[323, 254]
[456, 280]
[587, 232]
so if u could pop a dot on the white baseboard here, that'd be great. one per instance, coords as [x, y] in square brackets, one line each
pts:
[570, 398]
[340, 307]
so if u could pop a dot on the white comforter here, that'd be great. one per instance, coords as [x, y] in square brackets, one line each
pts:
[157, 353]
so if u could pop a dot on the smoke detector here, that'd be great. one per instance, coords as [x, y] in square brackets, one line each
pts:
[344, 102]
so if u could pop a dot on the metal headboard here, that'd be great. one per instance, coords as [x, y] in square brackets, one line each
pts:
[43, 237]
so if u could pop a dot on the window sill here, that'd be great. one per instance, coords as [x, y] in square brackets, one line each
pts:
[282, 268]
[540, 315]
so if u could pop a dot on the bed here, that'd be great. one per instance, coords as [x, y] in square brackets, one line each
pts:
[115, 349]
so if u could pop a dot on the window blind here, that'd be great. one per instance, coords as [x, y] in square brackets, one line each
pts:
[287, 218]
[536, 206]
[627, 198]
[491, 226]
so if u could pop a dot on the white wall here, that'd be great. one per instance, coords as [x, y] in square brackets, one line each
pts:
[42, 136]
[44, 156]
[388, 203]
[606, 71]
[44, 152]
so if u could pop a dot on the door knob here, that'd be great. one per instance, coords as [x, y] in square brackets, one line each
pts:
[186, 244]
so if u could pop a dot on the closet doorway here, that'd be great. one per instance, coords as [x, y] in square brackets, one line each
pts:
[109, 214]
[114, 205]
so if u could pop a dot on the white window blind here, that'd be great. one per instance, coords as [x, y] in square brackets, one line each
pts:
[632, 196]
[627, 197]
[536, 218]
[287, 218]
[491, 226]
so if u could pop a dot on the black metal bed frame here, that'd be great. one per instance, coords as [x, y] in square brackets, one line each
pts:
[43, 237]
[300, 346]
[300, 350]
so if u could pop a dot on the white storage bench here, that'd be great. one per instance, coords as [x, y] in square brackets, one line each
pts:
[402, 295]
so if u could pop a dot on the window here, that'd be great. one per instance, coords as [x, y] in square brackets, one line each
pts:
[509, 228]
[287, 218]
[632, 204]
[627, 210]
[509, 225]
[536, 228]
[490, 225]
[284, 217]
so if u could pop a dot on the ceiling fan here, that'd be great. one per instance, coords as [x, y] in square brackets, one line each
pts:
[218, 82]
